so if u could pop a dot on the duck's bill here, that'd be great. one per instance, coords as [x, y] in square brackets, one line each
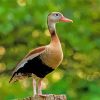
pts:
[64, 19]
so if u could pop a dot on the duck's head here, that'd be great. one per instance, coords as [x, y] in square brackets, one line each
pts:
[55, 17]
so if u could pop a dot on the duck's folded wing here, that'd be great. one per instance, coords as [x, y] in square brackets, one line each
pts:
[31, 55]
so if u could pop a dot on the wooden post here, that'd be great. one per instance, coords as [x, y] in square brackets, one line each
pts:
[46, 97]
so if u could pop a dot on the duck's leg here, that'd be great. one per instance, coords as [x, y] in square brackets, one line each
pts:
[34, 87]
[40, 87]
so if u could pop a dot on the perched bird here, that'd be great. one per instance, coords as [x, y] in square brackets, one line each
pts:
[41, 61]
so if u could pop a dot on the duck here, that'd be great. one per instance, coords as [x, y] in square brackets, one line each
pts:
[41, 61]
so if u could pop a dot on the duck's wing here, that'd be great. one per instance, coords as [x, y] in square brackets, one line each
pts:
[30, 56]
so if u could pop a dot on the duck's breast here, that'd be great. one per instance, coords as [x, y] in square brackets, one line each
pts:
[52, 56]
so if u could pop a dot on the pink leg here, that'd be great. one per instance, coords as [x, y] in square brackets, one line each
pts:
[40, 87]
[34, 87]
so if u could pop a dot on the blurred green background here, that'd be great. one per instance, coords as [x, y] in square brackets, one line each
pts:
[23, 27]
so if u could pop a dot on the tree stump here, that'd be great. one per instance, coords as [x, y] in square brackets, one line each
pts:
[46, 97]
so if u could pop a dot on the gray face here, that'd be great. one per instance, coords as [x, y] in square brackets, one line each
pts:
[54, 17]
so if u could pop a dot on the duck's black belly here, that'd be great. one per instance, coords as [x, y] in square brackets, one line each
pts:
[35, 66]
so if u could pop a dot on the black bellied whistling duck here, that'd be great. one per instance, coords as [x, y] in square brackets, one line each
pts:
[41, 61]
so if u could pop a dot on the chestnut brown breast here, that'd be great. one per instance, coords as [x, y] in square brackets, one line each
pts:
[53, 55]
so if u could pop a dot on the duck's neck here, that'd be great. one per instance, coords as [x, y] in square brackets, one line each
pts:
[52, 30]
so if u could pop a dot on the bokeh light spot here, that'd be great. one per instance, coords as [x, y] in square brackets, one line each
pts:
[21, 2]
[2, 50]
[56, 76]
[2, 67]
[24, 83]
[45, 83]
[35, 34]
[81, 74]
[46, 32]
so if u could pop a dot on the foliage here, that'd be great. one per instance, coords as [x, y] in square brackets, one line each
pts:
[23, 27]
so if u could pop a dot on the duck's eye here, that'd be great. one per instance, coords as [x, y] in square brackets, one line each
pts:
[57, 14]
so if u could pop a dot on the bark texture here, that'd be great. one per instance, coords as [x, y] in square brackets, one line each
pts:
[46, 97]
